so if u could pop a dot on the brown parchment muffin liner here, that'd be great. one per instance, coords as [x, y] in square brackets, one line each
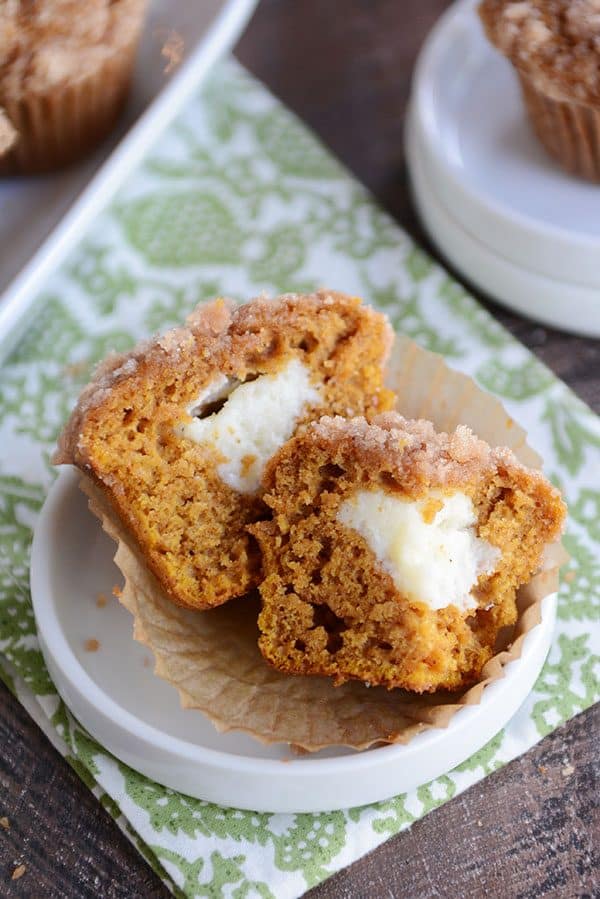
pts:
[569, 131]
[212, 657]
[60, 125]
[8, 135]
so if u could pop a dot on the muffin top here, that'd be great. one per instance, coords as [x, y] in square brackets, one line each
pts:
[46, 43]
[554, 42]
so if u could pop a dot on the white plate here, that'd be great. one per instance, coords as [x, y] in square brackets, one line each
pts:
[573, 307]
[483, 165]
[137, 716]
[30, 208]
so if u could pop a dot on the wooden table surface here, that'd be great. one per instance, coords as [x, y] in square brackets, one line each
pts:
[530, 830]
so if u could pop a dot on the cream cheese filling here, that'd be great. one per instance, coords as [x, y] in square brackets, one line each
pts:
[256, 419]
[432, 558]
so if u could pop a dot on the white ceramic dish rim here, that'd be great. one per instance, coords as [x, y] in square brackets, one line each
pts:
[56, 647]
[547, 300]
[23, 292]
[469, 201]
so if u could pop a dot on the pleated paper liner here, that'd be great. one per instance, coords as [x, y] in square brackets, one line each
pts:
[212, 657]
[8, 135]
[570, 132]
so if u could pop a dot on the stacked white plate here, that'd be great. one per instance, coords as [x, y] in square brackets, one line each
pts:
[499, 208]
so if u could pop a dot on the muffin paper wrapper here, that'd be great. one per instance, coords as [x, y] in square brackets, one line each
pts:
[570, 132]
[212, 657]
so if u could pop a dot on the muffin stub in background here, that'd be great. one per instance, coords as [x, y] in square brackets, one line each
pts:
[395, 554]
[65, 71]
[177, 432]
[554, 46]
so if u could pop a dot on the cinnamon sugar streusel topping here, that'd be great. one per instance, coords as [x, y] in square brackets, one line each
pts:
[48, 42]
[416, 450]
[555, 42]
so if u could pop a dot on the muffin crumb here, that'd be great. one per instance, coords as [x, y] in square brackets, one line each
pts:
[18, 872]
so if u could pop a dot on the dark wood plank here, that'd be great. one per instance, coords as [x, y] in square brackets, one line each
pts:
[531, 829]
[345, 69]
[69, 844]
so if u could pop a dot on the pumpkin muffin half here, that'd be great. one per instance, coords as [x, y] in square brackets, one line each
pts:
[177, 432]
[395, 553]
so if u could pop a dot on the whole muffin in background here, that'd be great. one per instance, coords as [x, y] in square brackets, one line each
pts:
[555, 47]
[65, 69]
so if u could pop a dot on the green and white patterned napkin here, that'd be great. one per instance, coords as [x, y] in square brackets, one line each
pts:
[237, 197]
